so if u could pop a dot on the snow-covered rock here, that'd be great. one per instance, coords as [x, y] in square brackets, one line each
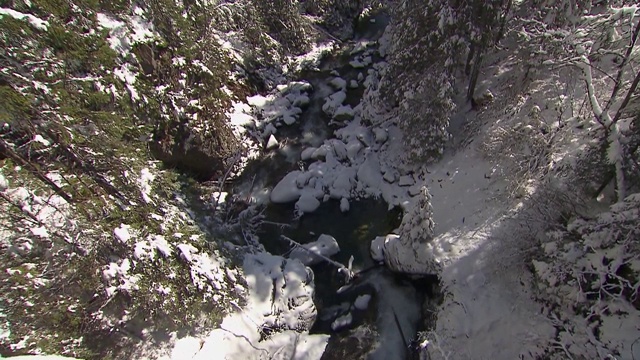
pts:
[378, 244]
[338, 83]
[344, 205]
[272, 143]
[406, 180]
[362, 302]
[411, 258]
[307, 203]
[380, 135]
[333, 102]
[326, 245]
[301, 101]
[307, 153]
[343, 113]
[353, 84]
[280, 297]
[287, 189]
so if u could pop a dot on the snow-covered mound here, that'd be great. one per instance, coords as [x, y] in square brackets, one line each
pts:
[262, 115]
[326, 245]
[280, 300]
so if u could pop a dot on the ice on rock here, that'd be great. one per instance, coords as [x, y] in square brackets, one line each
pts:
[326, 245]
[287, 189]
[344, 205]
[360, 76]
[338, 83]
[341, 322]
[307, 203]
[362, 302]
[272, 143]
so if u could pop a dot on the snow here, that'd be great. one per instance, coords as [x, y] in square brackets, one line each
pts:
[406, 180]
[125, 34]
[344, 205]
[344, 112]
[287, 189]
[41, 140]
[347, 166]
[33, 20]
[481, 277]
[40, 231]
[362, 302]
[281, 106]
[280, 295]
[122, 233]
[4, 183]
[108, 22]
[326, 245]
[306, 154]
[272, 143]
[116, 274]
[333, 102]
[206, 269]
[378, 244]
[145, 180]
[338, 83]
[307, 203]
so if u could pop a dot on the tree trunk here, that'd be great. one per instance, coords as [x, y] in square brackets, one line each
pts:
[477, 64]
[467, 67]
[503, 22]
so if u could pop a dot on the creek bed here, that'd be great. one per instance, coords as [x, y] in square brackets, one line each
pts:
[383, 329]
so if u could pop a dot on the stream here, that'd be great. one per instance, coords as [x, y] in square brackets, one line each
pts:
[378, 314]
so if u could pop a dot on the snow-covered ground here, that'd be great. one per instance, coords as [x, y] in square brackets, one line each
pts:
[488, 309]
[280, 297]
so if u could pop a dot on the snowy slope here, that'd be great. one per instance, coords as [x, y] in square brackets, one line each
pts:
[488, 310]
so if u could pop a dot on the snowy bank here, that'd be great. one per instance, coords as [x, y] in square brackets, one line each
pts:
[280, 298]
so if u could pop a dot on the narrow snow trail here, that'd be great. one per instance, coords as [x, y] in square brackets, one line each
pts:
[487, 310]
